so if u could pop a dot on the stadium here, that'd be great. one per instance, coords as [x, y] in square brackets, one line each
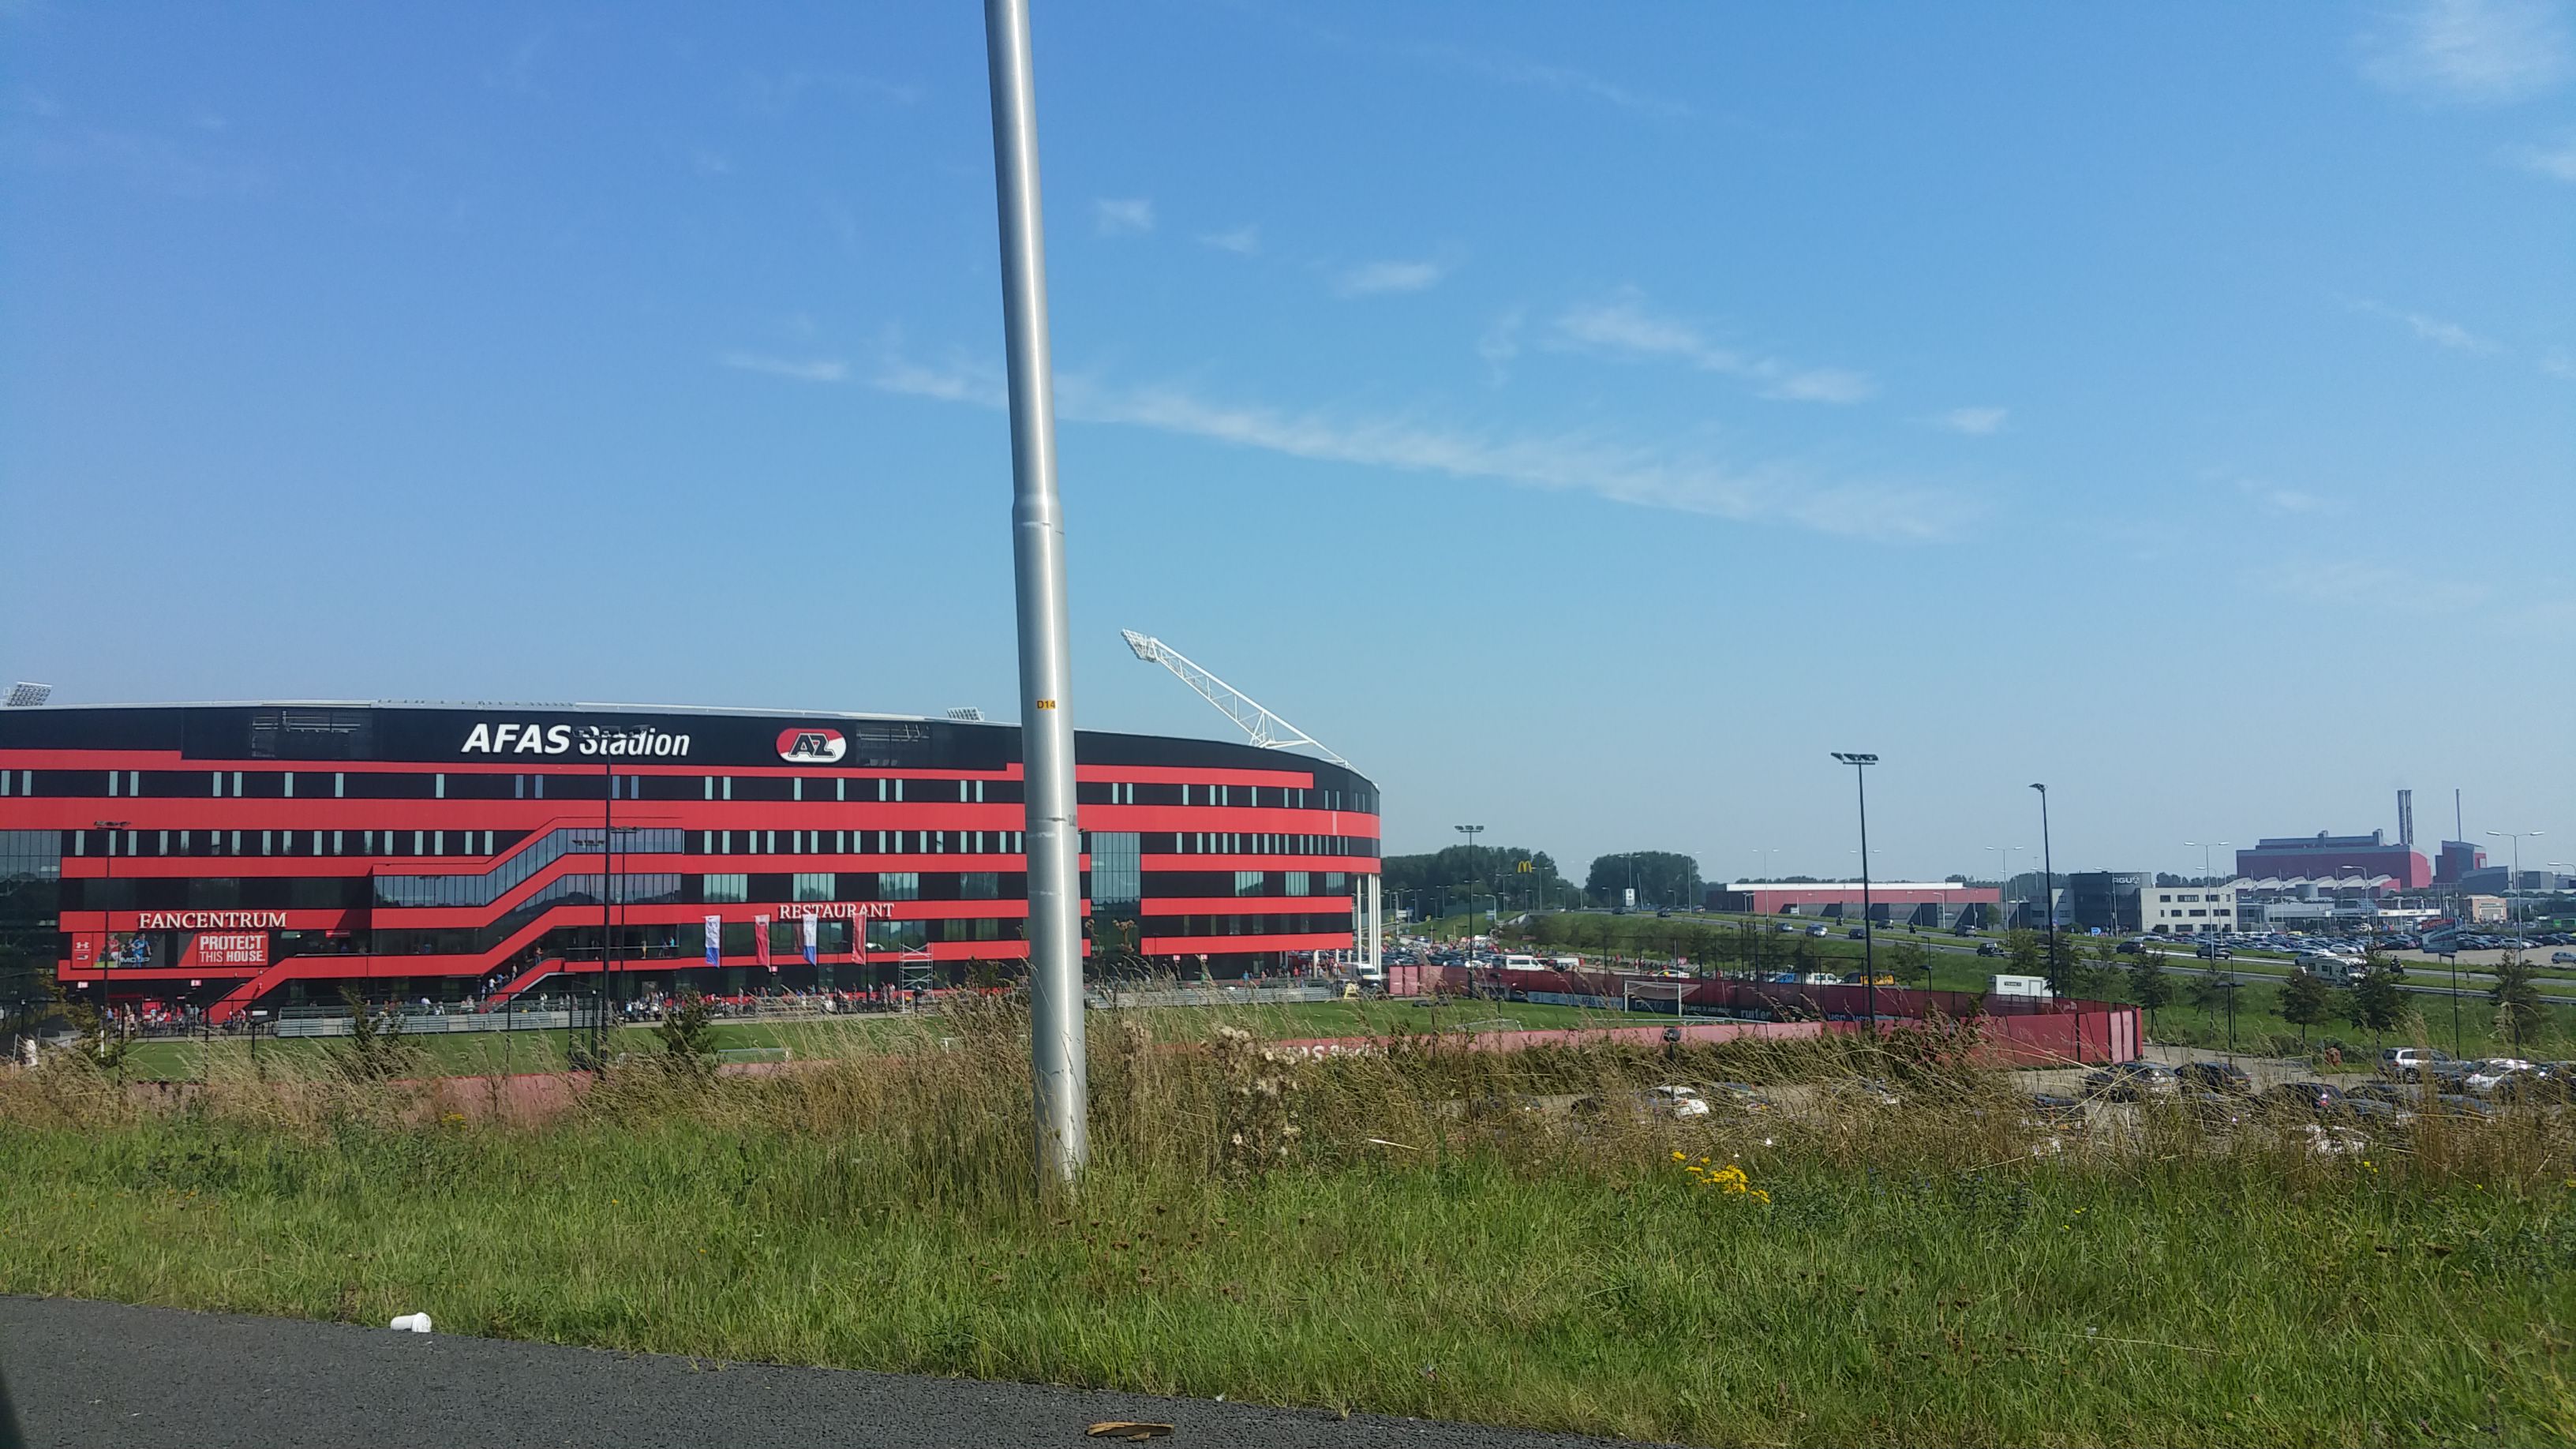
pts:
[233, 857]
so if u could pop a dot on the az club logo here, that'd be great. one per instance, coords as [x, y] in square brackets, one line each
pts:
[807, 745]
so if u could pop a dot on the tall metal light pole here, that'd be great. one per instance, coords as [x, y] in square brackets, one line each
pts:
[2514, 881]
[1058, 1066]
[1868, 928]
[107, 879]
[1471, 832]
[2003, 881]
[2048, 876]
[2203, 846]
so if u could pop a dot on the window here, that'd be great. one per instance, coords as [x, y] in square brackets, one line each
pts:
[1117, 868]
[986, 885]
[898, 885]
[725, 889]
[1247, 882]
[1300, 883]
[812, 886]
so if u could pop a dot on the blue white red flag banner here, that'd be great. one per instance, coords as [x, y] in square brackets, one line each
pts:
[715, 940]
[760, 941]
[812, 926]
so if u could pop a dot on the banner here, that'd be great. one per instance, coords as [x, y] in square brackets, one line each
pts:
[760, 940]
[225, 948]
[715, 940]
[812, 925]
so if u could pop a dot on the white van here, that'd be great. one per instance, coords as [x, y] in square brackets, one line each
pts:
[1520, 963]
[1567, 963]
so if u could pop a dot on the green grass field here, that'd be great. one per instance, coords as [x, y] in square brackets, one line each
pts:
[1340, 1234]
[503, 1053]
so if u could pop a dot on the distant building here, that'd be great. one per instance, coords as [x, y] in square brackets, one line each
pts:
[2106, 900]
[2458, 858]
[2188, 910]
[1892, 903]
[2333, 855]
[2483, 910]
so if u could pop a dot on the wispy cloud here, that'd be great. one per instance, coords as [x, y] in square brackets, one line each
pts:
[1370, 279]
[2559, 363]
[1623, 326]
[185, 169]
[1564, 80]
[1243, 240]
[2478, 52]
[779, 94]
[1500, 344]
[708, 161]
[517, 71]
[2354, 582]
[2288, 501]
[800, 369]
[1129, 216]
[2557, 162]
[2426, 329]
[1975, 422]
[1566, 462]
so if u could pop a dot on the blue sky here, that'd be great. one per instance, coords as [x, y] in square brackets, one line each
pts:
[1583, 419]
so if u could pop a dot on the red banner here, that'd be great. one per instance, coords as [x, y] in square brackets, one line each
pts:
[760, 940]
[226, 948]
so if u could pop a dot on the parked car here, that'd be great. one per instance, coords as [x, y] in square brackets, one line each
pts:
[2133, 947]
[2562, 958]
[1676, 1102]
[2212, 951]
[1855, 933]
[2225, 1077]
[1741, 1097]
[2131, 1082]
[2411, 1064]
[2486, 1076]
[1989, 948]
[2452, 1104]
[2307, 1099]
[2050, 1110]
[2211, 1109]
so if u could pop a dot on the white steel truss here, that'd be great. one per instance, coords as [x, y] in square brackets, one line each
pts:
[1267, 730]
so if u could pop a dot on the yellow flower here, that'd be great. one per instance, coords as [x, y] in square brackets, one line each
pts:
[1679, 1157]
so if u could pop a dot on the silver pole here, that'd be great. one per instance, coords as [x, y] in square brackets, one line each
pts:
[1056, 1056]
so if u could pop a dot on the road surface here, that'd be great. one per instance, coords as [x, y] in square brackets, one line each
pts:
[86, 1374]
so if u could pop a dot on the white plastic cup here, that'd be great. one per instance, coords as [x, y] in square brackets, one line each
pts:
[411, 1323]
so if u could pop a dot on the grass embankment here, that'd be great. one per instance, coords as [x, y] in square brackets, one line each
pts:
[1343, 1233]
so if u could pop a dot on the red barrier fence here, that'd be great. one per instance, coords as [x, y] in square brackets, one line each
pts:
[2016, 1030]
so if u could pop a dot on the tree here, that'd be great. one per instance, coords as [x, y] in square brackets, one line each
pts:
[1910, 959]
[2149, 986]
[1661, 877]
[2375, 1003]
[2517, 998]
[688, 1037]
[2208, 993]
[1482, 867]
[2306, 1001]
[2065, 967]
[2021, 948]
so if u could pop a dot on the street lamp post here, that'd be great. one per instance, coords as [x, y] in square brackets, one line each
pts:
[2003, 879]
[2048, 876]
[2203, 846]
[2515, 880]
[1868, 928]
[1471, 832]
[1058, 1061]
[107, 877]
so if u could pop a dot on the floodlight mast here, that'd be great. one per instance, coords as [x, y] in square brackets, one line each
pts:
[1266, 729]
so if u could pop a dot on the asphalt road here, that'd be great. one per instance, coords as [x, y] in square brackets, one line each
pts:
[85, 1374]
